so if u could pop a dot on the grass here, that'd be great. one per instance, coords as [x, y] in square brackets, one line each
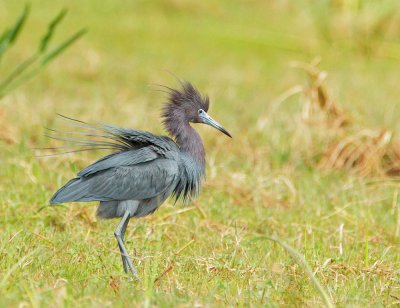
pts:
[265, 182]
[39, 59]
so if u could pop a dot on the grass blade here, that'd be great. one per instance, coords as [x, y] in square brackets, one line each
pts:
[4, 37]
[44, 42]
[10, 35]
[303, 263]
[15, 267]
[17, 72]
[19, 25]
[58, 50]
[23, 78]
[35, 63]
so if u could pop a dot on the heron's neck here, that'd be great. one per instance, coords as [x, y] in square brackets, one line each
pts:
[188, 140]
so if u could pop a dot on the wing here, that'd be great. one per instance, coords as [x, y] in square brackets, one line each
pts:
[125, 158]
[136, 182]
[143, 166]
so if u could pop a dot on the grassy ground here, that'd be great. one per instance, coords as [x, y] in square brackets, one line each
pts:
[264, 181]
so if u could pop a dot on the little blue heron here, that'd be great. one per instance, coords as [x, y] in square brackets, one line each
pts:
[144, 169]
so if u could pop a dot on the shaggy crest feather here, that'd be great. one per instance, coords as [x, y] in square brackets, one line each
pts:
[188, 95]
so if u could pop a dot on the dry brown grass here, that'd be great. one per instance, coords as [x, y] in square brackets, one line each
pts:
[368, 152]
[318, 99]
[364, 151]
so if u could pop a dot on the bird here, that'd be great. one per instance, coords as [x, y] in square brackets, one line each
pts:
[143, 169]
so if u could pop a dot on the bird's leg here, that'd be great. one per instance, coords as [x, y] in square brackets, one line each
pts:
[119, 234]
[123, 230]
[122, 233]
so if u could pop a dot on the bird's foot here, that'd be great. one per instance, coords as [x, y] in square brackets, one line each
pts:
[128, 266]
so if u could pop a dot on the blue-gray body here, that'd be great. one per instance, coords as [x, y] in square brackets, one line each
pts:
[139, 178]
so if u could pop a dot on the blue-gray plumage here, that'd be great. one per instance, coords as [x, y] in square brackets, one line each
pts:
[145, 169]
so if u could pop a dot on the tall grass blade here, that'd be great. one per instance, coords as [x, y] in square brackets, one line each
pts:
[10, 35]
[58, 50]
[17, 72]
[4, 37]
[36, 62]
[50, 31]
[19, 24]
[303, 263]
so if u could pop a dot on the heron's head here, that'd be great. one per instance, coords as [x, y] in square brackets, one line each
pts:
[187, 105]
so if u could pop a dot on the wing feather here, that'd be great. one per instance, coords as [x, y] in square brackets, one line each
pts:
[126, 158]
[143, 166]
[136, 182]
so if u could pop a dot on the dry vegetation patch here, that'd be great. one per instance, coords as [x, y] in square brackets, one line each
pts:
[349, 147]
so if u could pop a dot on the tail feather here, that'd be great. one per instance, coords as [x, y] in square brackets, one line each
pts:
[75, 190]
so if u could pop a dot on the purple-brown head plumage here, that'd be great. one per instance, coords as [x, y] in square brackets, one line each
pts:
[185, 103]
[185, 106]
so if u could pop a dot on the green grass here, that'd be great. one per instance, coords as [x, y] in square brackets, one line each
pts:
[263, 182]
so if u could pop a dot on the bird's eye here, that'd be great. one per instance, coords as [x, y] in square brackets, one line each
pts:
[200, 111]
